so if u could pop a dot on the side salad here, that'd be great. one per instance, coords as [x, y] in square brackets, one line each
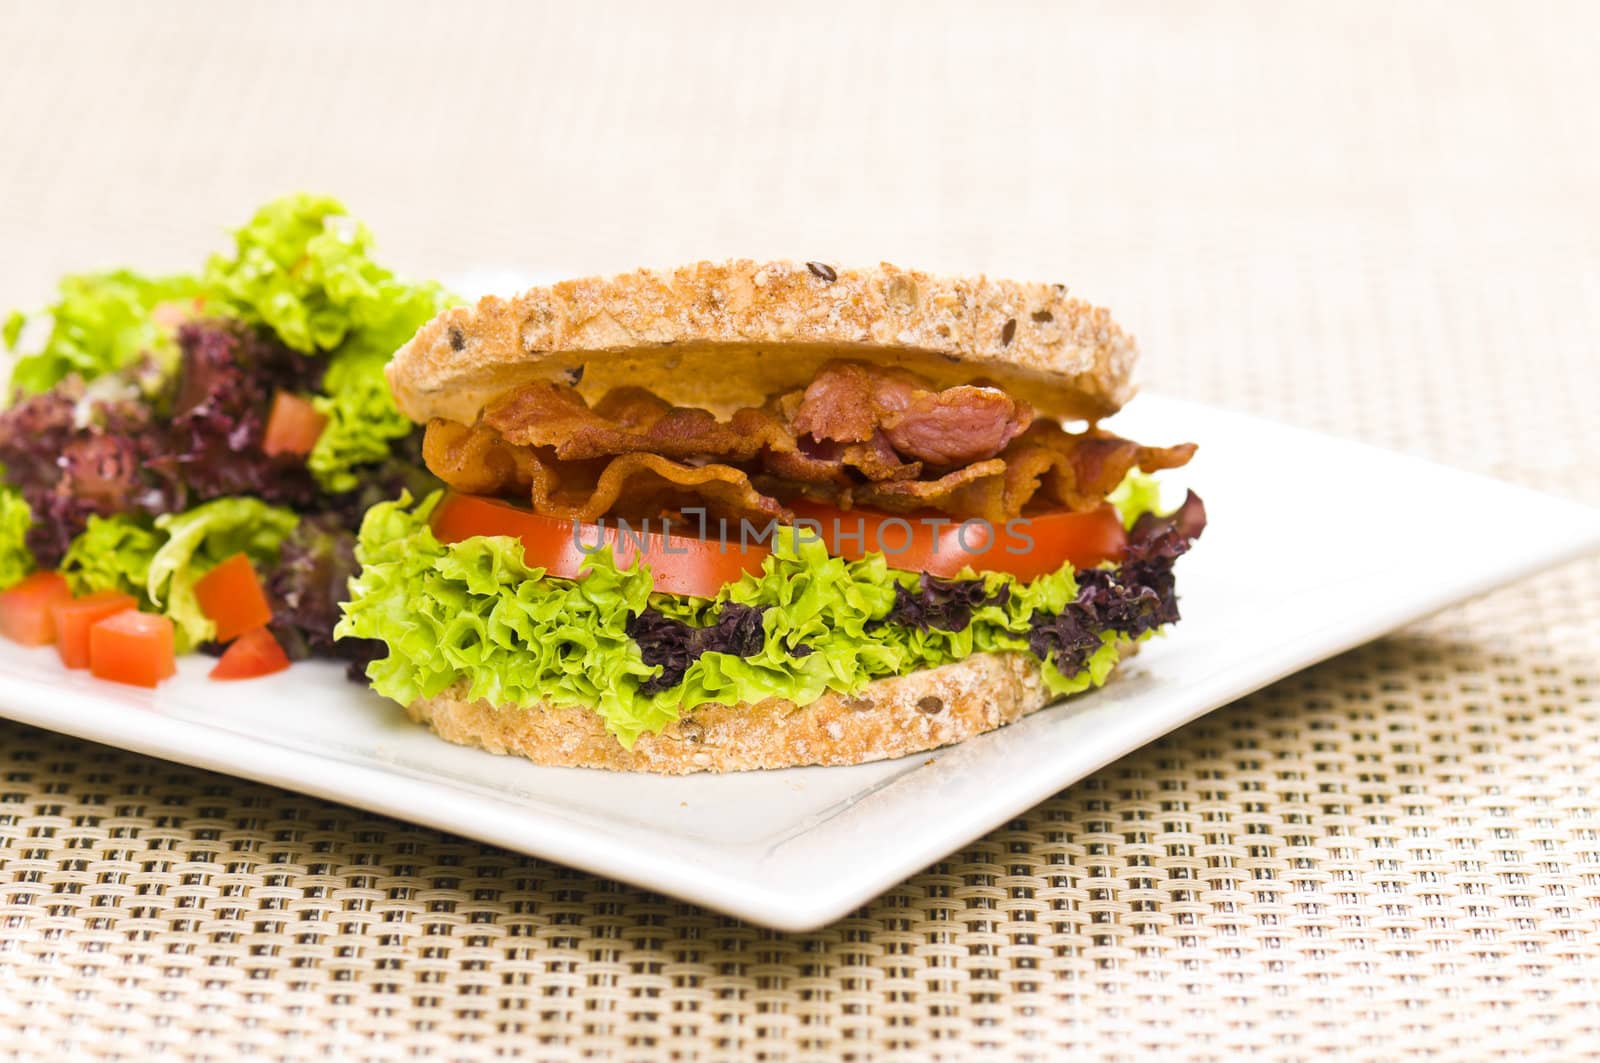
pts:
[197, 450]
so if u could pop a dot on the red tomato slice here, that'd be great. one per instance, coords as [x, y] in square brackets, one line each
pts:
[73, 620]
[254, 653]
[680, 564]
[130, 647]
[231, 597]
[25, 608]
[293, 427]
[1025, 547]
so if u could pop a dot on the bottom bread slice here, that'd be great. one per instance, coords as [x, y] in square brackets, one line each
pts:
[891, 718]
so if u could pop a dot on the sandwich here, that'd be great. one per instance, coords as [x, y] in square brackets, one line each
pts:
[155, 427]
[746, 515]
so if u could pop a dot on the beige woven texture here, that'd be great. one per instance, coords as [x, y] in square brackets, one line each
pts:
[1379, 221]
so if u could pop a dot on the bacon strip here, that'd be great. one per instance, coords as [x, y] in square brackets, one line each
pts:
[630, 421]
[1048, 467]
[858, 435]
[1078, 470]
[849, 402]
[978, 490]
[475, 461]
[824, 461]
[478, 460]
[640, 485]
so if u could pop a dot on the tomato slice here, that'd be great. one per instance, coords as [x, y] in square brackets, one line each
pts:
[132, 647]
[25, 608]
[73, 620]
[1024, 547]
[293, 427]
[231, 597]
[254, 653]
[680, 564]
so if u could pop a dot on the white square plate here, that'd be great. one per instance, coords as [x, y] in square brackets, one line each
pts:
[1286, 575]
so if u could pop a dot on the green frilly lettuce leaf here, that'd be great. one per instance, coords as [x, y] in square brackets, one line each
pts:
[113, 554]
[304, 268]
[301, 268]
[363, 422]
[197, 540]
[159, 562]
[16, 560]
[1138, 493]
[477, 613]
[100, 322]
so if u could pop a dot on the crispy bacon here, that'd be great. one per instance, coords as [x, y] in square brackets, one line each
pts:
[640, 485]
[799, 467]
[977, 490]
[1047, 467]
[475, 461]
[957, 425]
[478, 460]
[824, 461]
[849, 402]
[630, 421]
[1076, 470]
[858, 435]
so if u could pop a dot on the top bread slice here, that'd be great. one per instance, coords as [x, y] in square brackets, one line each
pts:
[730, 334]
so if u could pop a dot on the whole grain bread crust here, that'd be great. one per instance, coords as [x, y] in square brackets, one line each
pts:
[729, 334]
[890, 718]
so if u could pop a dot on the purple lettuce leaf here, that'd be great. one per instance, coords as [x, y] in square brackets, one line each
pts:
[675, 645]
[223, 395]
[1130, 600]
[69, 467]
[312, 576]
[941, 604]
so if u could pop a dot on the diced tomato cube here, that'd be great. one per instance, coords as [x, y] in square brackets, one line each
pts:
[231, 597]
[131, 647]
[293, 426]
[25, 608]
[254, 653]
[73, 620]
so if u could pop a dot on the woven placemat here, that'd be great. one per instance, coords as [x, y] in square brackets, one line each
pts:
[1373, 220]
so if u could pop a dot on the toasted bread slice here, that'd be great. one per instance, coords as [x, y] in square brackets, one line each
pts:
[891, 718]
[725, 335]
